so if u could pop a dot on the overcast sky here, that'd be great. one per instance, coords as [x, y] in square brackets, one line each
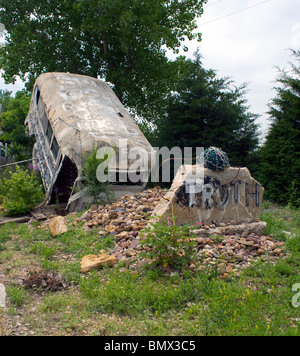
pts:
[246, 40]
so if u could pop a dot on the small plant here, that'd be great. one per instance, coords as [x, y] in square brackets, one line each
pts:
[16, 295]
[276, 225]
[218, 239]
[294, 196]
[169, 245]
[98, 191]
[21, 192]
[41, 250]
[56, 190]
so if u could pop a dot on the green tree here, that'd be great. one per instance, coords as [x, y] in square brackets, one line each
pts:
[12, 126]
[280, 154]
[5, 97]
[208, 111]
[122, 41]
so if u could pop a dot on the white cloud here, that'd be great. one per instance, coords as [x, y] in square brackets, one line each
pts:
[19, 85]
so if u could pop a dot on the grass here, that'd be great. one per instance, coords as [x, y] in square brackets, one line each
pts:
[117, 301]
[16, 295]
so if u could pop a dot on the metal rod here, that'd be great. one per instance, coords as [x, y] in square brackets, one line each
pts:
[15, 163]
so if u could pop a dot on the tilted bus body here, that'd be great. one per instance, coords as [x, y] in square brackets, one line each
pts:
[69, 116]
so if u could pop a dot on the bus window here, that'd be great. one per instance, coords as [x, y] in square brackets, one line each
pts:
[54, 148]
[37, 94]
[49, 133]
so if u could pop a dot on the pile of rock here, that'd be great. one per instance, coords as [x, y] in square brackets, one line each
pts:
[230, 253]
[226, 246]
[128, 215]
[124, 220]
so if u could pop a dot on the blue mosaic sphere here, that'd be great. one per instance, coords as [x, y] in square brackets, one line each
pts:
[215, 159]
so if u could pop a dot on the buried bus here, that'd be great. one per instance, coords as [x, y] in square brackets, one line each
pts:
[69, 116]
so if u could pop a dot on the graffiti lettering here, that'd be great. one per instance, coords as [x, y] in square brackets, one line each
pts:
[212, 194]
[251, 195]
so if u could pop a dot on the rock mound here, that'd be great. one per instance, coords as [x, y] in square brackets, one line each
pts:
[229, 247]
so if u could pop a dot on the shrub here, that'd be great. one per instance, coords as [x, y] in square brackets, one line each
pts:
[98, 191]
[21, 192]
[169, 245]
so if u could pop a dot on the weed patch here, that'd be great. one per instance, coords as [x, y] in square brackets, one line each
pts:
[44, 282]
[54, 298]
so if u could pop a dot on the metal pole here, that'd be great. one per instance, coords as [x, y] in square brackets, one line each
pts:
[15, 163]
[5, 152]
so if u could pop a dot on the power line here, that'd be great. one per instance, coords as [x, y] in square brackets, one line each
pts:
[233, 13]
[216, 2]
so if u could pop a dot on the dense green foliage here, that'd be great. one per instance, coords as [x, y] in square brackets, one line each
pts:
[97, 190]
[208, 111]
[279, 158]
[12, 120]
[5, 97]
[21, 192]
[124, 42]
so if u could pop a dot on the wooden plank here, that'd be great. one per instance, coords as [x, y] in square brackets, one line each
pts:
[20, 220]
[38, 216]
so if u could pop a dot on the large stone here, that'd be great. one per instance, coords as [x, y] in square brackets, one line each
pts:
[258, 228]
[92, 262]
[58, 226]
[2, 296]
[202, 195]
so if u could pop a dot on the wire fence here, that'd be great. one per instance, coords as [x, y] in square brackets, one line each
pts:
[6, 161]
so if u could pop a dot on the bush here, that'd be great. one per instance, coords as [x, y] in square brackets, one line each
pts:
[21, 192]
[169, 245]
[98, 191]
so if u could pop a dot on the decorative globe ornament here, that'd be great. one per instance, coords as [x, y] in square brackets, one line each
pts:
[215, 159]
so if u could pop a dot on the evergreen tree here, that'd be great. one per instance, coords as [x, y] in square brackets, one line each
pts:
[280, 155]
[208, 111]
